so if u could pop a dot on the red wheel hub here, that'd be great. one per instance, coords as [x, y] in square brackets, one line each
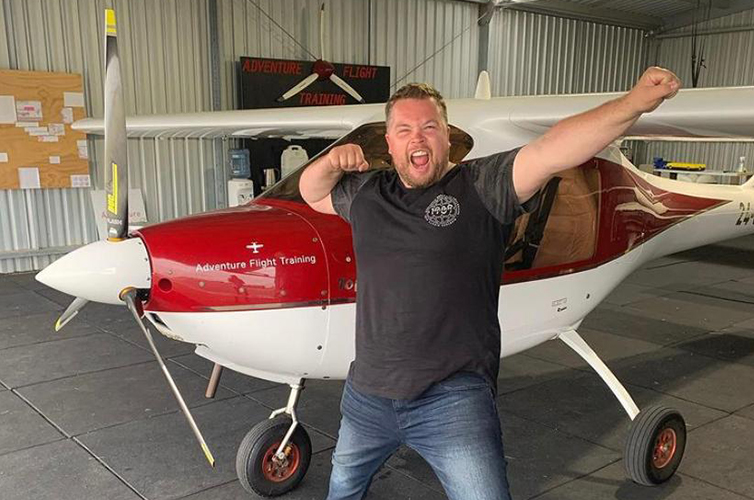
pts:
[323, 68]
[276, 470]
[664, 449]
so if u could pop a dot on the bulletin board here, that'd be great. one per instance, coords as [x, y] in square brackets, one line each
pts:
[38, 148]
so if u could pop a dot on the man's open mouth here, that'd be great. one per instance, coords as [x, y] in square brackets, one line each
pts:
[419, 158]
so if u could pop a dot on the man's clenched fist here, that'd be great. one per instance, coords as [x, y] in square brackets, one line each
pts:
[654, 86]
[348, 157]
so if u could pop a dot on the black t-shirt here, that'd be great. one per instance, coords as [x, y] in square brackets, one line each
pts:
[428, 263]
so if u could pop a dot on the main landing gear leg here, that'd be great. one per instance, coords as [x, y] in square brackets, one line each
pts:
[657, 437]
[274, 456]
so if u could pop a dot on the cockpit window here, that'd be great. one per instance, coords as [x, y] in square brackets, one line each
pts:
[562, 230]
[371, 138]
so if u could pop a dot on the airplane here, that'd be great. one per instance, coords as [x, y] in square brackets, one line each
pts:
[268, 289]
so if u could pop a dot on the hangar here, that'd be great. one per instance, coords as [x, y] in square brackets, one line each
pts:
[181, 231]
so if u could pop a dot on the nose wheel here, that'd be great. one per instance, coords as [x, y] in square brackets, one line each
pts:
[264, 471]
[655, 445]
[274, 456]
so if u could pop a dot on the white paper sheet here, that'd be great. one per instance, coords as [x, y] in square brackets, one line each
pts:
[3, 157]
[54, 160]
[28, 111]
[7, 109]
[56, 128]
[73, 99]
[67, 115]
[48, 138]
[83, 149]
[27, 124]
[81, 181]
[28, 178]
[37, 131]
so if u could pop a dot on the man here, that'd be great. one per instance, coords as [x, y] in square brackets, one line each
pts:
[429, 243]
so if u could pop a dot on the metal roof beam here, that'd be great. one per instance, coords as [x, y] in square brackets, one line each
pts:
[720, 8]
[603, 15]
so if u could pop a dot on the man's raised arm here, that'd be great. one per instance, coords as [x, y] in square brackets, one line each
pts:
[319, 178]
[576, 139]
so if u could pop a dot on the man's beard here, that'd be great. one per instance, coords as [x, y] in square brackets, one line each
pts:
[437, 170]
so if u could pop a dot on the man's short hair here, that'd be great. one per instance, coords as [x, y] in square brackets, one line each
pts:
[417, 91]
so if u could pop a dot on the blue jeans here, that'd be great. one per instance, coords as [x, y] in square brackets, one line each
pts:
[454, 426]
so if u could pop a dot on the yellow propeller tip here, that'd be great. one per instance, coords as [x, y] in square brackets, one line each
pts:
[58, 326]
[110, 22]
[208, 455]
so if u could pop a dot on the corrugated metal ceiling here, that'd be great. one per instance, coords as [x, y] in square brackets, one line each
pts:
[651, 15]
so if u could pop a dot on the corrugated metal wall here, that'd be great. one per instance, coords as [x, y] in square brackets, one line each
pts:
[407, 32]
[164, 54]
[167, 65]
[729, 58]
[533, 54]
[246, 31]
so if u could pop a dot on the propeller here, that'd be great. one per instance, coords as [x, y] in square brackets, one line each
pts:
[322, 70]
[116, 158]
[124, 270]
[72, 310]
[116, 161]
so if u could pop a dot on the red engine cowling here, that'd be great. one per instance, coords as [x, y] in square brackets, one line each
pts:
[259, 256]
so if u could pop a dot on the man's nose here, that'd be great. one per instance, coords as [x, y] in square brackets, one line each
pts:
[417, 135]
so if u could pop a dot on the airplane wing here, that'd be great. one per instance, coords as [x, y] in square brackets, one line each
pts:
[327, 122]
[693, 114]
[725, 113]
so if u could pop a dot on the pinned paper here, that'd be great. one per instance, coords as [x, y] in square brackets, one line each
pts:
[27, 124]
[28, 178]
[54, 160]
[7, 109]
[67, 115]
[37, 131]
[28, 111]
[3, 157]
[81, 181]
[56, 128]
[83, 149]
[48, 138]
[73, 99]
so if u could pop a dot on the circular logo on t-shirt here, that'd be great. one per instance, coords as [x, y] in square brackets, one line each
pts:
[443, 211]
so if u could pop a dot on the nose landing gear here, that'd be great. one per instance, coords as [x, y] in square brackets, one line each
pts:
[274, 456]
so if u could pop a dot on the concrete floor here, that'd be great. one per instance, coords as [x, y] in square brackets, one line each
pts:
[85, 413]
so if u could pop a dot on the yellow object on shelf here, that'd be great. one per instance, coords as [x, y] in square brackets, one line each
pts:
[686, 166]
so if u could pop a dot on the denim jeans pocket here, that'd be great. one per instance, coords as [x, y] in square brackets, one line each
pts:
[463, 381]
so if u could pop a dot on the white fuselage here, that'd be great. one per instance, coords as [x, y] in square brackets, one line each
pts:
[285, 345]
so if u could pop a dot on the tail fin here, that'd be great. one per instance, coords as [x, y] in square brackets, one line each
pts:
[748, 184]
[483, 89]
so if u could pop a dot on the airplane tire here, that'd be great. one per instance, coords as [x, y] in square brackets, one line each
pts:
[257, 470]
[655, 445]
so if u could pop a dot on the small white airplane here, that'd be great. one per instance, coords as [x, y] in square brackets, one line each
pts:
[269, 289]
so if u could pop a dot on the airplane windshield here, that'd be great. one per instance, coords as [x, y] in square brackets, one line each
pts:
[371, 138]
